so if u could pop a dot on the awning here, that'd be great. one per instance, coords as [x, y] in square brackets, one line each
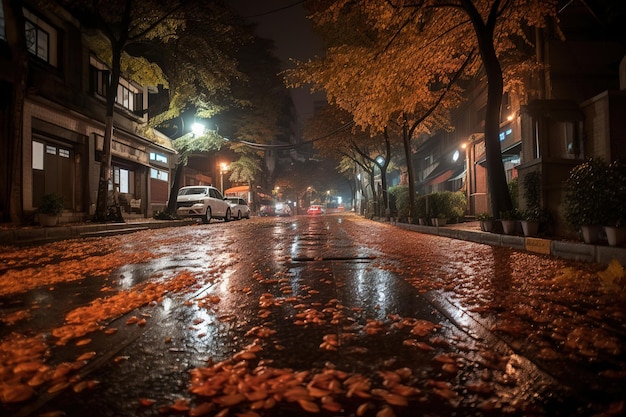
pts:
[239, 189]
[511, 151]
[443, 172]
[459, 175]
[440, 178]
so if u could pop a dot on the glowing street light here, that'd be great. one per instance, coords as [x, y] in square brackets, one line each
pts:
[223, 170]
[197, 129]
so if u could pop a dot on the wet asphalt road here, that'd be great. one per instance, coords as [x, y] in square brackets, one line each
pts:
[299, 297]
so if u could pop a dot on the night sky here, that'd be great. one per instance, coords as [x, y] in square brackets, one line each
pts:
[285, 22]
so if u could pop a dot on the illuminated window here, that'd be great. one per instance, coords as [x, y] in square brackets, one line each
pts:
[158, 157]
[128, 96]
[157, 174]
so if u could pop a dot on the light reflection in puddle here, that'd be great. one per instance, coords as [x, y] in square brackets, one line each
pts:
[372, 289]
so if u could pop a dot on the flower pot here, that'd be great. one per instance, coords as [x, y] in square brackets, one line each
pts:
[47, 220]
[615, 235]
[591, 234]
[438, 222]
[486, 225]
[508, 227]
[530, 227]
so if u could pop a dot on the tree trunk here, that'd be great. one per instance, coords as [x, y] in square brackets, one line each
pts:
[496, 177]
[171, 202]
[406, 140]
[383, 174]
[105, 164]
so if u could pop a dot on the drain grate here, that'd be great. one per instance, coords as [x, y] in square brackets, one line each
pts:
[332, 258]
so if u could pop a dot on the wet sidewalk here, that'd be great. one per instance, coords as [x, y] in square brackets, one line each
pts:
[560, 248]
[41, 234]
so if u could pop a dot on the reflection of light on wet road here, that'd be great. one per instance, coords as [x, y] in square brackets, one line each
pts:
[166, 303]
[224, 281]
[294, 247]
[372, 289]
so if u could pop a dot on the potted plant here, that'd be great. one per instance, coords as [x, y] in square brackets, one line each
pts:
[50, 210]
[440, 220]
[438, 205]
[457, 205]
[533, 215]
[531, 218]
[586, 198]
[421, 209]
[486, 222]
[509, 219]
[615, 228]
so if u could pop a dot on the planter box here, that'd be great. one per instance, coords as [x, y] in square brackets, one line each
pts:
[486, 225]
[438, 222]
[615, 235]
[508, 226]
[530, 228]
[47, 219]
[591, 234]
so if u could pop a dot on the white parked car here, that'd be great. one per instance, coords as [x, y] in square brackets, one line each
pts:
[282, 209]
[202, 201]
[238, 207]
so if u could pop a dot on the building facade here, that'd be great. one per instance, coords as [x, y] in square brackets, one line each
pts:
[63, 125]
[571, 111]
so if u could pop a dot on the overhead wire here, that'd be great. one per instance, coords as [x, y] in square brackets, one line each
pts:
[279, 9]
[293, 145]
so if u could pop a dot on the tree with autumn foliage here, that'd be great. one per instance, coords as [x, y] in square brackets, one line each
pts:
[126, 35]
[399, 61]
[337, 137]
[119, 24]
[261, 119]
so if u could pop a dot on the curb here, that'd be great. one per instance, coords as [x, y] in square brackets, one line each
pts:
[561, 249]
[35, 235]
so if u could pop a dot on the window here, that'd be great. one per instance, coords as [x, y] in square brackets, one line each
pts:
[41, 38]
[38, 156]
[128, 96]
[98, 81]
[2, 29]
[572, 149]
[157, 174]
[505, 134]
[215, 194]
[125, 97]
[158, 157]
[122, 179]
[37, 41]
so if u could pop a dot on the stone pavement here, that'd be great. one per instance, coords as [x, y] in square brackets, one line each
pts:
[470, 231]
[40, 234]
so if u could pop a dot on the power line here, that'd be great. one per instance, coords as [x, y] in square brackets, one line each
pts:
[280, 9]
[294, 145]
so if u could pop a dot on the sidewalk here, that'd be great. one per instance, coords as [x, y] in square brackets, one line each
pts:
[40, 234]
[566, 249]
[469, 231]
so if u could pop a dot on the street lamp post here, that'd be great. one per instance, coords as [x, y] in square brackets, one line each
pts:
[380, 162]
[223, 169]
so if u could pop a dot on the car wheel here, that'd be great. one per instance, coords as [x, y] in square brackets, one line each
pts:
[227, 218]
[239, 215]
[207, 216]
